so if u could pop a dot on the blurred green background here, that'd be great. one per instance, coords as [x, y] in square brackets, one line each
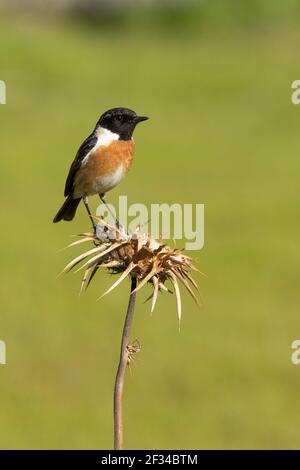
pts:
[215, 77]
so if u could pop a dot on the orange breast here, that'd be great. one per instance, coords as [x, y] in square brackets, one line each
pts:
[106, 159]
[96, 175]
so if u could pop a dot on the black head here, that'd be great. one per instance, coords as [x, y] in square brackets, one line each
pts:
[121, 121]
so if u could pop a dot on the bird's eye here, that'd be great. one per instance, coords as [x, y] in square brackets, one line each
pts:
[119, 117]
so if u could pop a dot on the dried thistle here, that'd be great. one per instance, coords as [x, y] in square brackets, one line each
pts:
[145, 261]
[137, 255]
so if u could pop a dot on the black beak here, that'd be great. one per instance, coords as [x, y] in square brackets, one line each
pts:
[140, 118]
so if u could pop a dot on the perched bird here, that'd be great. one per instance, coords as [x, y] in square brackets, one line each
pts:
[102, 160]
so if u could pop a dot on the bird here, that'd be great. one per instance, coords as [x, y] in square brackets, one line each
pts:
[101, 162]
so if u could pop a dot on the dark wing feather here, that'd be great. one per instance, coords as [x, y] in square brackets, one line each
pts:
[84, 149]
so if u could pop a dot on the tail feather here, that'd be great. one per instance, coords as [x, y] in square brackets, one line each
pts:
[68, 209]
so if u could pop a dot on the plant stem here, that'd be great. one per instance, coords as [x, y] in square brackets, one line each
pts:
[119, 383]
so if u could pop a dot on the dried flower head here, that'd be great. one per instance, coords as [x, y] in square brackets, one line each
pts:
[137, 255]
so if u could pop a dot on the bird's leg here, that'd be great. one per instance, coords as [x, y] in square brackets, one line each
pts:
[119, 226]
[85, 202]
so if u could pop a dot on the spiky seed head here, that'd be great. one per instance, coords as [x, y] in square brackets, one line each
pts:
[138, 255]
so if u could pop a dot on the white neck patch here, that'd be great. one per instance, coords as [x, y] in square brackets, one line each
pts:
[105, 137]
